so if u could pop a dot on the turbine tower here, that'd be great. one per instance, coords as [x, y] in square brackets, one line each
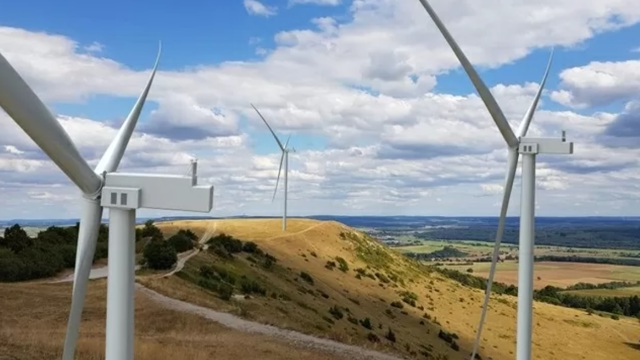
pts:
[284, 157]
[529, 148]
[102, 187]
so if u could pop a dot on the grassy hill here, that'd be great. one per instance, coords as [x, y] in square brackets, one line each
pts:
[328, 278]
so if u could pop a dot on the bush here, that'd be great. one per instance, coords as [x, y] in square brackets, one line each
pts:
[373, 338]
[366, 323]
[269, 261]
[250, 247]
[306, 277]
[251, 287]
[226, 242]
[159, 255]
[330, 265]
[181, 242]
[342, 264]
[391, 336]
[336, 312]
[225, 291]
[470, 271]
[615, 317]
[397, 304]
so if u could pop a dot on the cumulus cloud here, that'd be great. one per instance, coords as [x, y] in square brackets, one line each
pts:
[364, 86]
[598, 83]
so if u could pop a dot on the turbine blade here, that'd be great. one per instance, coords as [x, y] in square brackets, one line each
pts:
[483, 91]
[28, 111]
[111, 158]
[87, 239]
[278, 180]
[286, 143]
[511, 172]
[266, 123]
[526, 120]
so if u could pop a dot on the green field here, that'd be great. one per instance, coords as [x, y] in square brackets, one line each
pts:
[559, 274]
[478, 249]
[620, 292]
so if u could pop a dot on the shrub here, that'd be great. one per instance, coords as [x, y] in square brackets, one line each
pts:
[313, 253]
[336, 312]
[330, 265]
[225, 291]
[180, 242]
[306, 277]
[391, 336]
[454, 346]
[159, 255]
[342, 264]
[250, 247]
[251, 287]
[227, 242]
[352, 320]
[615, 317]
[366, 323]
[470, 270]
[207, 271]
[269, 261]
[397, 304]
[373, 338]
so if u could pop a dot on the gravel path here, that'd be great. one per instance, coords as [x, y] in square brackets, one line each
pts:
[293, 337]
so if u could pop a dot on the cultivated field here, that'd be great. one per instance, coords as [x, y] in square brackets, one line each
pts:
[560, 274]
[482, 249]
[620, 292]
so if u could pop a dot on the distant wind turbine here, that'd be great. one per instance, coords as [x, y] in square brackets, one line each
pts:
[529, 148]
[283, 158]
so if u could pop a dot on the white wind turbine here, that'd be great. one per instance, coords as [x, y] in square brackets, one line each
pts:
[102, 187]
[284, 157]
[529, 148]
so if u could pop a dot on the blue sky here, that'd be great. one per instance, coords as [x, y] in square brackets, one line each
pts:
[335, 76]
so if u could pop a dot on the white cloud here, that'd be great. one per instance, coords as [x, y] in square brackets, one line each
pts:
[388, 143]
[255, 7]
[94, 47]
[599, 83]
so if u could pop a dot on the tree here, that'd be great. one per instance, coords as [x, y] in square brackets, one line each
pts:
[16, 239]
[160, 255]
[180, 242]
[151, 231]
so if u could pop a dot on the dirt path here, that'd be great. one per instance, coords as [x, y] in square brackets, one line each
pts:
[211, 229]
[293, 337]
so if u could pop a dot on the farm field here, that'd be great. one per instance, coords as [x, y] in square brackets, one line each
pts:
[478, 249]
[621, 292]
[559, 274]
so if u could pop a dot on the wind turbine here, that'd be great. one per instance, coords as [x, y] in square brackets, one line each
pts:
[284, 157]
[102, 187]
[529, 148]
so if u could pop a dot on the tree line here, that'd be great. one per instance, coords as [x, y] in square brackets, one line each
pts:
[52, 250]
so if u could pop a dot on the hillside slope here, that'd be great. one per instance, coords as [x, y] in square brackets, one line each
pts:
[327, 279]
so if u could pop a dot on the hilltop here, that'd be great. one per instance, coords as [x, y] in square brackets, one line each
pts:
[320, 278]
[420, 307]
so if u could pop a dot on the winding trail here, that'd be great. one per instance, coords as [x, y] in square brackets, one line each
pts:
[182, 260]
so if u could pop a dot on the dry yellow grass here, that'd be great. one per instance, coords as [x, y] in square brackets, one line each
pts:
[559, 333]
[33, 322]
[33, 316]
